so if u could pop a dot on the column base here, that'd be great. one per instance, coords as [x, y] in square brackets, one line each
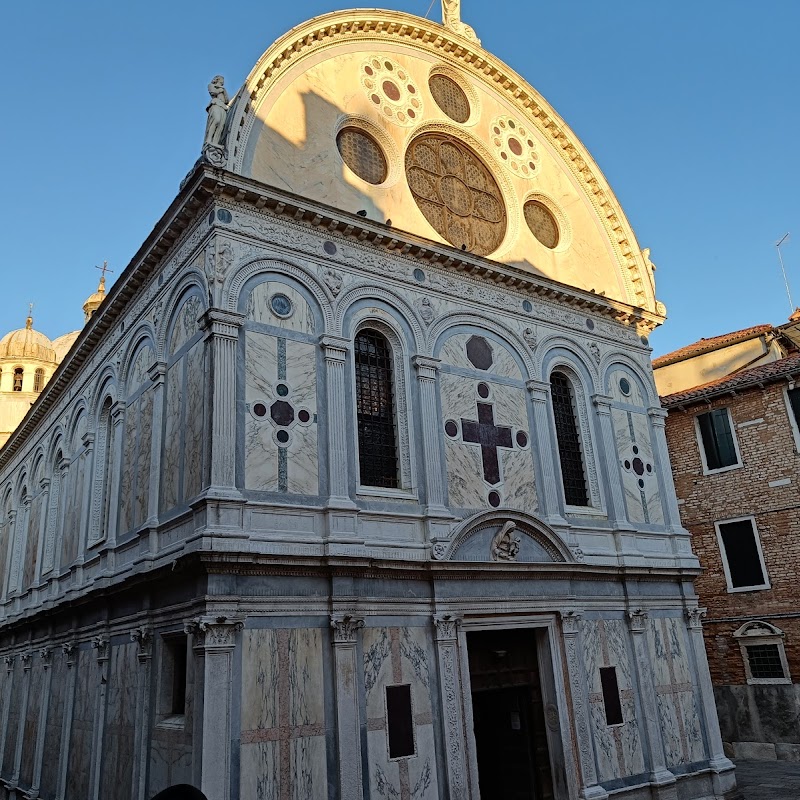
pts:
[220, 493]
[339, 503]
[593, 793]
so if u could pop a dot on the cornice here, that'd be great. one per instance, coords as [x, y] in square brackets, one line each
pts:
[328, 30]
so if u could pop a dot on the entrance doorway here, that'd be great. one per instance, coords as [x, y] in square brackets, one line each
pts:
[508, 716]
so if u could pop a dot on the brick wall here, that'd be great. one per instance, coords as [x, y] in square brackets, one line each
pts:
[768, 453]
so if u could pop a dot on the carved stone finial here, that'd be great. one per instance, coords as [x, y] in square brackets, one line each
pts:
[505, 545]
[451, 19]
[345, 628]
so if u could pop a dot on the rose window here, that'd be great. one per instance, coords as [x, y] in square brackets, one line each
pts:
[515, 146]
[390, 88]
[456, 193]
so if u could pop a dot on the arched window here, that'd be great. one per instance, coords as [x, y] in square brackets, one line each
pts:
[38, 380]
[18, 373]
[377, 435]
[570, 451]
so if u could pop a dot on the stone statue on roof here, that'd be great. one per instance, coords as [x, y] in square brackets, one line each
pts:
[451, 19]
[213, 145]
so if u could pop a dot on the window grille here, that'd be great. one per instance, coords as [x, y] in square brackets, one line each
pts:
[377, 436]
[450, 97]
[765, 661]
[362, 154]
[715, 431]
[38, 380]
[569, 441]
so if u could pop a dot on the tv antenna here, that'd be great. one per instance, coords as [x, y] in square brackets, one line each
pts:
[783, 269]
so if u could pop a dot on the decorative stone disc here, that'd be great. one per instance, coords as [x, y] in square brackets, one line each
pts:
[390, 89]
[515, 146]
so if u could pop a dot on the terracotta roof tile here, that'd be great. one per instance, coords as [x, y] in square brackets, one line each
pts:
[707, 345]
[766, 373]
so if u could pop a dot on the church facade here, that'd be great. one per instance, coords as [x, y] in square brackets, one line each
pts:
[356, 485]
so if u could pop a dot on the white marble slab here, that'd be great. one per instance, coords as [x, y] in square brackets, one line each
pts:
[260, 310]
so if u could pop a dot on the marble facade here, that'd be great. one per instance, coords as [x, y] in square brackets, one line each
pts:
[199, 585]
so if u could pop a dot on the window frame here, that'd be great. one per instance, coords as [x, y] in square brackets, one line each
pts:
[724, 556]
[794, 422]
[166, 715]
[406, 488]
[389, 755]
[770, 636]
[701, 445]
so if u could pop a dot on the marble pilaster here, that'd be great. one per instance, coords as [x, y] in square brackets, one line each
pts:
[7, 579]
[143, 637]
[335, 350]
[157, 374]
[216, 637]
[578, 682]
[348, 719]
[550, 495]
[615, 497]
[70, 650]
[451, 694]
[427, 373]
[20, 539]
[111, 522]
[26, 658]
[46, 661]
[672, 515]
[723, 776]
[222, 335]
[7, 694]
[662, 780]
[45, 486]
[102, 646]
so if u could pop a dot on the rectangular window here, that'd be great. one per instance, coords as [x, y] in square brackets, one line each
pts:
[173, 676]
[765, 661]
[400, 721]
[741, 555]
[794, 402]
[611, 698]
[717, 437]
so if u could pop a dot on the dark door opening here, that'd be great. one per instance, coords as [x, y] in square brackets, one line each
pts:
[508, 716]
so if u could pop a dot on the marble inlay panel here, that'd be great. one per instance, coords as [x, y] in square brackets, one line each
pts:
[633, 398]
[170, 464]
[55, 719]
[260, 310]
[127, 493]
[144, 458]
[72, 522]
[80, 750]
[283, 715]
[32, 541]
[12, 728]
[137, 374]
[454, 352]
[193, 444]
[118, 740]
[185, 323]
[31, 724]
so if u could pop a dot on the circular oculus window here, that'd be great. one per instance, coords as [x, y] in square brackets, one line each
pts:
[456, 193]
[362, 154]
[281, 305]
[542, 223]
[450, 97]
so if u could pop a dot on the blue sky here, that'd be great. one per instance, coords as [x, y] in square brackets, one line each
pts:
[690, 107]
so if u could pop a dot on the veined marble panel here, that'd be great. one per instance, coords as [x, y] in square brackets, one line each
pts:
[72, 521]
[185, 323]
[392, 656]
[80, 750]
[268, 467]
[283, 715]
[14, 711]
[633, 398]
[55, 718]
[260, 310]
[127, 492]
[31, 724]
[170, 463]
[144, 457]
[32, 541]
[118, 740]
[137, 375]
[193, 437]
[454, 352]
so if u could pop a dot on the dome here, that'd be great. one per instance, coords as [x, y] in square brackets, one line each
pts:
[64, 343]
[94, 301]
[26, 343]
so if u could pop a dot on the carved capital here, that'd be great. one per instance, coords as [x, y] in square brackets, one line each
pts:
[157, 371]
[63, 464]
[100, 643]
[602, 403]
[88, 439]
[571, 622]
[658, 416]
[44, 484]
[46, 655]
[118, 411]
[345, 628]
[446, 626]
[427, 368]
[9, 662]
[335, 348]
[694, 617]
[143, 637]
[221, 324]
[70, 650]
[215, 633]
[538, 390]
[637, 619]
[12, 515]
[26, 659]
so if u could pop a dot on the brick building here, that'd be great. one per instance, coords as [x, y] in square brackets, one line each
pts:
[735, 449]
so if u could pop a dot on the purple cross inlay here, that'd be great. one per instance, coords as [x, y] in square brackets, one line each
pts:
[489, 436]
